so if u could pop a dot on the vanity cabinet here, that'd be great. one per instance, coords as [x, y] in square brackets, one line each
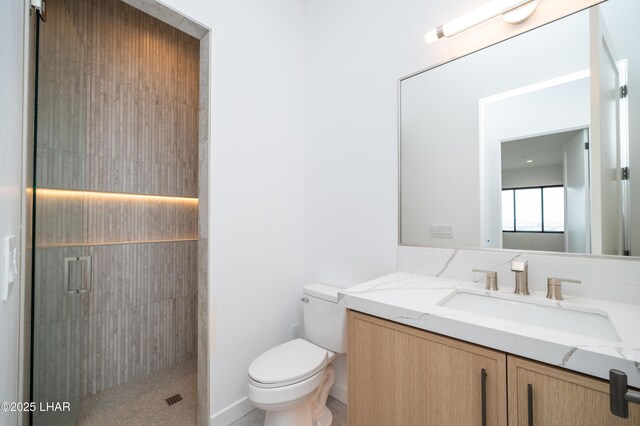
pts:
[544, 395]
[399, 375]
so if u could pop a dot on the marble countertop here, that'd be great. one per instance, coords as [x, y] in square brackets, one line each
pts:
[415, 300]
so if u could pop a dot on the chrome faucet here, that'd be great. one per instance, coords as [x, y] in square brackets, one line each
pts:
[521, 268]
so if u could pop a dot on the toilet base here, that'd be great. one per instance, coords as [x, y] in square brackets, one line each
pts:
[301, 415]
[312, 411]
[325, 419]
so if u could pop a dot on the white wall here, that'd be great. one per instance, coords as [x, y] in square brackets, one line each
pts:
[620, 16]
[256, 187]
[11, 101]
[533, 176]
[536, 241]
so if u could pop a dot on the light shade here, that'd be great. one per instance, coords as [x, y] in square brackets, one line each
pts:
[514, 11]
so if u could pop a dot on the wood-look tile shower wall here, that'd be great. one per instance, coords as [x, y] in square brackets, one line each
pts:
[117, 112]
[118, 104]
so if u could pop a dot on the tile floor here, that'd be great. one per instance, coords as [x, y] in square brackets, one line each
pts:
[142, 403]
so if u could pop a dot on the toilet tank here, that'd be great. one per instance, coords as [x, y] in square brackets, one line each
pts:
[324, 318]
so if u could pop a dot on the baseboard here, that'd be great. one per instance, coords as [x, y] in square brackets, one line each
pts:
[228, 415]
[339, 393]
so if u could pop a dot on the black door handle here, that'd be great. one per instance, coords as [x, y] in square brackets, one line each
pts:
[483, 382]
[530, 404]
[619, 395]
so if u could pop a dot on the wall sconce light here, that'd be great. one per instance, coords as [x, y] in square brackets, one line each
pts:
[512, 11]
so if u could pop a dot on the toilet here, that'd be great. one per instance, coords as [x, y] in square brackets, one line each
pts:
[291, 382]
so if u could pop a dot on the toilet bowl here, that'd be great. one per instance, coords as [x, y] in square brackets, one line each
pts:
[291, 382]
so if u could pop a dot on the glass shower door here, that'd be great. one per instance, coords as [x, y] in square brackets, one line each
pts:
[62, 265]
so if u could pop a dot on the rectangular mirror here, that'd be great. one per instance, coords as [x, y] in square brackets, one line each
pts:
[527, 144]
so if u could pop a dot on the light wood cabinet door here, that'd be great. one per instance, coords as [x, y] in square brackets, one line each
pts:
[399, 375]
[553, 396]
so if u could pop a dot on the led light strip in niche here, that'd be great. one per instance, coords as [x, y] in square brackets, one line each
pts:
[121, 195]
[45, 208]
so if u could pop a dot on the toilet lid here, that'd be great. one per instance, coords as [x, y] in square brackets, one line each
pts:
[289, 363]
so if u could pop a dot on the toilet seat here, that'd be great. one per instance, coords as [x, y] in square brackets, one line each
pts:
[287, 364]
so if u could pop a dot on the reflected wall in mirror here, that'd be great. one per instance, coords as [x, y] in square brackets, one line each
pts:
[529, 144]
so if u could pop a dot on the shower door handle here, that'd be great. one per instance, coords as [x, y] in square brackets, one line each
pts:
[86, 283]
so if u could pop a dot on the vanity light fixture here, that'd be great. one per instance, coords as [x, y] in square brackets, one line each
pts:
[512, 11]
[529, 161]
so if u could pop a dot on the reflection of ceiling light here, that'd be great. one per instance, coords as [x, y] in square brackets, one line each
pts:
[529, 161]
[512, 11]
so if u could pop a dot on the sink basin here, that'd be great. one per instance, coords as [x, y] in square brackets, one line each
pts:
[567, 319]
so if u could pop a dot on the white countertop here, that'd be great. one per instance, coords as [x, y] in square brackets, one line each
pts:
[413, 300]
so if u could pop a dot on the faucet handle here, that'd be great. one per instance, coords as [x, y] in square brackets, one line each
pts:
[554, 287]
[491, 279]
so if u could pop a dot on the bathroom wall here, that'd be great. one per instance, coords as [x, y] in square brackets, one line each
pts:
[354, 55]
[533, 241]
[119, 115]
[532, 176]
[256, 218]
[12, 23]
[623, 43]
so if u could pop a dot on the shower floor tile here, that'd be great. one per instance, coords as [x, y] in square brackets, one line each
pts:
[142, 401]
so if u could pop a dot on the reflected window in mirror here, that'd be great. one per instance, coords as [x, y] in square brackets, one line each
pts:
[539, 209]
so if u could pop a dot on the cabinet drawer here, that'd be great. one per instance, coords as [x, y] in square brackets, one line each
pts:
[399, 375]
[543, 395]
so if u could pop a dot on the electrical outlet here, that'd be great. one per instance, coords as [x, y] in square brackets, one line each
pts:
[295, 331]
[442, 231]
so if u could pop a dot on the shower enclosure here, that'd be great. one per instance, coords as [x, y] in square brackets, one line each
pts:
[116, 201]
